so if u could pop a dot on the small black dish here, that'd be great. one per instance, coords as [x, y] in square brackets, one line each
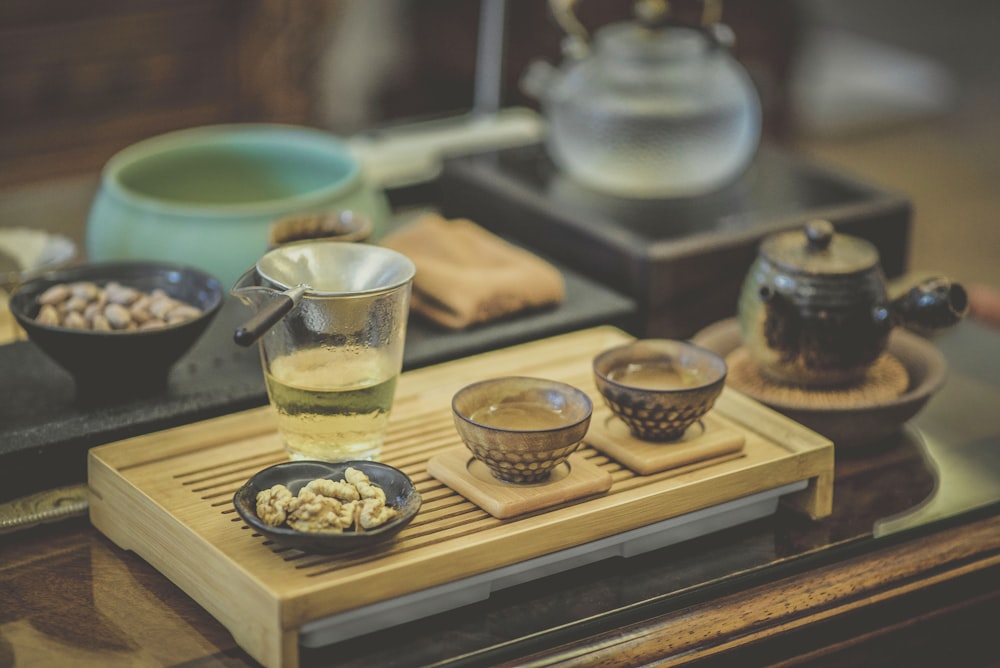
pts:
[122, 364]
[400, 494]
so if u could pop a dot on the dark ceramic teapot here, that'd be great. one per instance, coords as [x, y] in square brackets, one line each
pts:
[814, 308]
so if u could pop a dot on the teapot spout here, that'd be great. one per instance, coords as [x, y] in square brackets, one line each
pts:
[932, 305]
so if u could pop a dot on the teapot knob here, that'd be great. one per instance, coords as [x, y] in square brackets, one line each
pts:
[819, 234]
[652, 13]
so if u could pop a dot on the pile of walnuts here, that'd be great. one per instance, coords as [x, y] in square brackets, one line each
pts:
[326, 506]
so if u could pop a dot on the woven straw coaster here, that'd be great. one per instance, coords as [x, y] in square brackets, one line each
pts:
[884, 381]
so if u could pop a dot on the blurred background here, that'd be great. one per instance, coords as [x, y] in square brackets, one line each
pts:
[903, 94]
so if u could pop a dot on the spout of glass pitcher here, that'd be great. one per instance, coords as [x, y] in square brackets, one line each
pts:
[269, 305]
[249, 291]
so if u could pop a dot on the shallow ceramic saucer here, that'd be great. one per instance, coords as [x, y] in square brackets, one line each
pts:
[399, 491]
[26, 252]
[851, 426]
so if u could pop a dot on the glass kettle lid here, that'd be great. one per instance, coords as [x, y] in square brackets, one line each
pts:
[636, 42]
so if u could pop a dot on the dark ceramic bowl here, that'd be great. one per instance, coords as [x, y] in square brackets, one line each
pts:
[120, 363]
[399, 491]
[659, 387]
[521, 428]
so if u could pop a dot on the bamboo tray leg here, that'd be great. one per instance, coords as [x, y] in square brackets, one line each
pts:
[816, 500]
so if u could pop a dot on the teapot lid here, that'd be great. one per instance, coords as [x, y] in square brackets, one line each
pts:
[635, 41]
[818, 249]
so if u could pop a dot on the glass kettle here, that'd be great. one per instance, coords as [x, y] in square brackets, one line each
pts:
[652, 109]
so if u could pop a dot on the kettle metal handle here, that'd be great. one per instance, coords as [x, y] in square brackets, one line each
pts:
[565, 16]
[651, 13]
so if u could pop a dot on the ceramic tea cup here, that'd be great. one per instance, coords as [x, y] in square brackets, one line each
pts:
[207, 196]
[659, 387]
[521, 428]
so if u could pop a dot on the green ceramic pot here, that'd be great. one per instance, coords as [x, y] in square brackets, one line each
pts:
[206, 196]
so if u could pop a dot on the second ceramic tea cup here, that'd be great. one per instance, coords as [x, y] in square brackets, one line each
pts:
[659, 387]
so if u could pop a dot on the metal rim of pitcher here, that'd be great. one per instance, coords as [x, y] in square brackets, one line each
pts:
[288, 296]
[407, 274]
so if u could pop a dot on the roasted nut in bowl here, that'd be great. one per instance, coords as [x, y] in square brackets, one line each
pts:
[521, 428]
[659, 387]
[103, 345]
[400, 496]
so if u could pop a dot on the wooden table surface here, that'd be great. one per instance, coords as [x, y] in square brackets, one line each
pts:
[905, 570]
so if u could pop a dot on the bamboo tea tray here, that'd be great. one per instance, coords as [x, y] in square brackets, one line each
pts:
[167, 496]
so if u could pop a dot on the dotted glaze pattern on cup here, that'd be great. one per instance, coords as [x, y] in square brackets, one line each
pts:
[650, 421]
[521, 467]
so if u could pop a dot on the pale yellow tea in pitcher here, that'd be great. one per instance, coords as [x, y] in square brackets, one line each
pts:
[333, 407]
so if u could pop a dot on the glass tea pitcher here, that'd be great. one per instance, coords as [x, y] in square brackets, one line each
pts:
[330, 318]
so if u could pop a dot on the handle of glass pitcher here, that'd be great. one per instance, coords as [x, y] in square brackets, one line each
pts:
[268, 315]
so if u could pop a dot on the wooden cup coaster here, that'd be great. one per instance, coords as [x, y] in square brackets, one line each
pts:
[706, 439]
[574, 479]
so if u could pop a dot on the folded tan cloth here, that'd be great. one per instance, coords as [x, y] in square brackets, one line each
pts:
[466, 275]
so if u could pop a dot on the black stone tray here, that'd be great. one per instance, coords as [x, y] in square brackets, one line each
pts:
[45, 433]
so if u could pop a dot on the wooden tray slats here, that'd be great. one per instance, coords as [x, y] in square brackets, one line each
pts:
[168, 497]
